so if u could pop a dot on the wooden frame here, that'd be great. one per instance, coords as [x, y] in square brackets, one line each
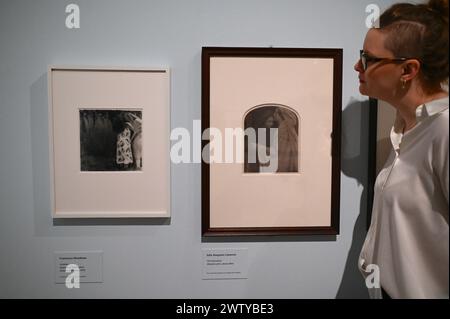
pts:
[238, 80]
[93, 110]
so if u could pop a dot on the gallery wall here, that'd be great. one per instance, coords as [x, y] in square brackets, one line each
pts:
[163, 258]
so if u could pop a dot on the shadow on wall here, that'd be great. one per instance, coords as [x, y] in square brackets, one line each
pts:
[354, 159]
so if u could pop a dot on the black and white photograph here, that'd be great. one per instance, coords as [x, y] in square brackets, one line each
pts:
[110, 140]
[274, 147]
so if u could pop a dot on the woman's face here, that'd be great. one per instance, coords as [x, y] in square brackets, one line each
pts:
[381, 79]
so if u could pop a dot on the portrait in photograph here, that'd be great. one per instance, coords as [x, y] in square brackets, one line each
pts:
[110, 140]
[273, 147]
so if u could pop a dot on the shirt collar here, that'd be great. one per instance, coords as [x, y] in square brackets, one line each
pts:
[422, 111]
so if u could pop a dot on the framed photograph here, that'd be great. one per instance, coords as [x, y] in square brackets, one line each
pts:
[271, 123]
[381, 120]
[109, 142]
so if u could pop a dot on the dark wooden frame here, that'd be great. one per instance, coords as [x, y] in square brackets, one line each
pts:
[336, 55]
[372, 160]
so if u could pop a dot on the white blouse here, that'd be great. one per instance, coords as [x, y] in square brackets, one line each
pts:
[408, 236]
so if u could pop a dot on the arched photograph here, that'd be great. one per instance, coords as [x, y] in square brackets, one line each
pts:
[111, 140]
[271, 140]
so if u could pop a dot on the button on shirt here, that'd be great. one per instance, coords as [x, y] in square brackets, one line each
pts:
[408, 237]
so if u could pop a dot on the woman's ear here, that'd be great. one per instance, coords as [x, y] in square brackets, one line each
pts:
[411, 69]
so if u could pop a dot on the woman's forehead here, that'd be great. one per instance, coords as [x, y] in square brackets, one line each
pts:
[374, 43]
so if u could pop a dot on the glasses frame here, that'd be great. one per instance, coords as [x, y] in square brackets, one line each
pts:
[365, 59]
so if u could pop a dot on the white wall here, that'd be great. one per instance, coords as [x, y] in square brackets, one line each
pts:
[157, 259]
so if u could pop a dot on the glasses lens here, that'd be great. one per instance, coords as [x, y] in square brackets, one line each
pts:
[363, 61]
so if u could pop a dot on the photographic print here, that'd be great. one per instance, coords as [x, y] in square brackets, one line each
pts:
[110, 140]
[109, 136]
[274, 147]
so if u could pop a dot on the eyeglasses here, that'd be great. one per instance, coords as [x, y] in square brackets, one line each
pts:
[366, 59]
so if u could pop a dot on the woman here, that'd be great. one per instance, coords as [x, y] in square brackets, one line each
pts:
[266, 149]
[136, 138]
[405, 62]
[124, 154]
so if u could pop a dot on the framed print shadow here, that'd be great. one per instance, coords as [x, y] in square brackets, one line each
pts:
[109, 142]
[271, 123]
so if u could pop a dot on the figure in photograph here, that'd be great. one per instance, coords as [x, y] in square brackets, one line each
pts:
[129, 142]
[280, 144]
[287, 140]
[124, 155]
[404, 62]
[136, 138]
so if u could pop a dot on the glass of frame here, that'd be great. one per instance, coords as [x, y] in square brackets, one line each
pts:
[296, 93]
[109, 142]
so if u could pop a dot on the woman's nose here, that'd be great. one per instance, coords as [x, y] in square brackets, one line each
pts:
[358, 66]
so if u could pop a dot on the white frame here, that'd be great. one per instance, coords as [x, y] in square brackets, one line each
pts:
[166, 173]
